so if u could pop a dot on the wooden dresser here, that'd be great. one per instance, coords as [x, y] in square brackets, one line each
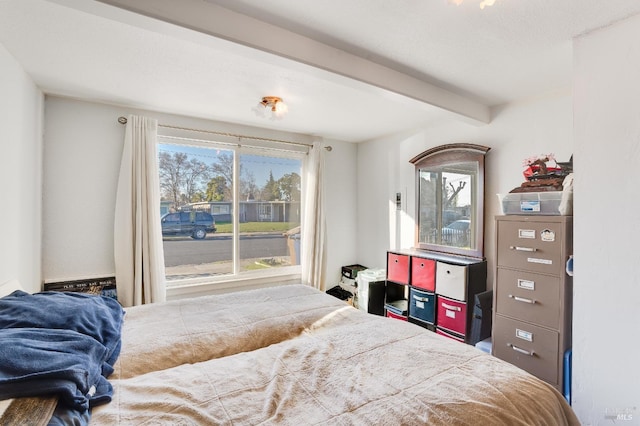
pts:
[533, 294]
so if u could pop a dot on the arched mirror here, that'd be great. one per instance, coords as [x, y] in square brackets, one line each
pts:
[450, 199]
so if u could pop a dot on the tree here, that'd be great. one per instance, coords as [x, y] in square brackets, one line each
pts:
[181, 178]
[271, 190]
[216, 189]
[196, 173]
[451, 193]
[289, 187]
[224, 167]
[248, 187]
[171, 171]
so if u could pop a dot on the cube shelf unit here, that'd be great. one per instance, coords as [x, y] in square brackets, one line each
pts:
[434, 290]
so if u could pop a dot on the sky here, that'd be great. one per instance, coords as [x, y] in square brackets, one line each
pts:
[259, 165]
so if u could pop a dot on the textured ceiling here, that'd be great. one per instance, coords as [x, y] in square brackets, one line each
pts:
[513, 50]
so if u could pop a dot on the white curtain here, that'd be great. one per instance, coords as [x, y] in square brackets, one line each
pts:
[313, 224]
[139, 256]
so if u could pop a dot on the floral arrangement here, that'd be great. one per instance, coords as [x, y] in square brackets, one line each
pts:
[540, 166]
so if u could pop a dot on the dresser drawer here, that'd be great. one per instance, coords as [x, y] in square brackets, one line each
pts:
[422, 305]
[452, 315]
[529, 297]
[451, 281]
[398, 268]
[423, 273]
[531, 246]
[532, 348]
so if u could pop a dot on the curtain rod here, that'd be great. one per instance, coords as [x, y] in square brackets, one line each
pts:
[123, 120]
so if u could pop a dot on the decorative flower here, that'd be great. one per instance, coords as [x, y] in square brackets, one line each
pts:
[539, 165]
[538, 158]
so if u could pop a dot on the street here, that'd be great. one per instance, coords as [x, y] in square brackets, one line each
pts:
[215, 248]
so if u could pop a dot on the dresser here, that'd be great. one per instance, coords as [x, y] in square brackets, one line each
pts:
[434, 290]
[533, 294]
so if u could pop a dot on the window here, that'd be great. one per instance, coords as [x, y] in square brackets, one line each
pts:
[264, 212]
[229, 211]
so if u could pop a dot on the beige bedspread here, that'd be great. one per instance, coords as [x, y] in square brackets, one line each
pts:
[292, 355]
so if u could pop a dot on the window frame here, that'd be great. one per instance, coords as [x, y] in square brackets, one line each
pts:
[238, 279]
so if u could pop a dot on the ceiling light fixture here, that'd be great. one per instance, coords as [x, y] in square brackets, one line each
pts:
[271, 107]
[483, 3]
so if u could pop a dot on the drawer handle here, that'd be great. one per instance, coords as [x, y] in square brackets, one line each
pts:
[522, 351]
[395, 260]
[451, 308]
[523, 248]
[421, 299]
[523, 299]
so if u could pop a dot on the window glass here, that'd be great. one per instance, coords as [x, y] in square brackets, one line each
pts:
[269, 212]
[197, 209]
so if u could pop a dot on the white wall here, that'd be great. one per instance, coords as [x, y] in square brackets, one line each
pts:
[517, 131]
[21, 106]
[341, 212]
[606, 343]
[83, 144]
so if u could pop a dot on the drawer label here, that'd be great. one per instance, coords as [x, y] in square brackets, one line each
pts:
[548, 235]
[527, 233]
[524, 335]
[450, 314]
[419, 304]
[526, 284]
[542, 261]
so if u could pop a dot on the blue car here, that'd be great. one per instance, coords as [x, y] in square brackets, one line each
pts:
[194, 224]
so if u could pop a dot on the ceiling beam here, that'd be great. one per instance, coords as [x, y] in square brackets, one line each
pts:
[216, 21]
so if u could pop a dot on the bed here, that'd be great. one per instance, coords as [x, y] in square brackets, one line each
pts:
[294, 355]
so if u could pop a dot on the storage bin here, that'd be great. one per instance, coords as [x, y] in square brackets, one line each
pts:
[542, 203]
[449, 335]
[398, 307]
[391, 314]
[351, 271]
[422, 305]
[452, 315]
[398, 268]
[423, 273]
[451, 280]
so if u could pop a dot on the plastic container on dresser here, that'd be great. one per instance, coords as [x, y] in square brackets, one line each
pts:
[533, 294]
[438, 290]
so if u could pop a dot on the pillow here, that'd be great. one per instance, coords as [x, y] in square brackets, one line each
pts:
[9, 287]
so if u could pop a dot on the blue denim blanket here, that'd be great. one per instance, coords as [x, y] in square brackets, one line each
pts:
[59, 343]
